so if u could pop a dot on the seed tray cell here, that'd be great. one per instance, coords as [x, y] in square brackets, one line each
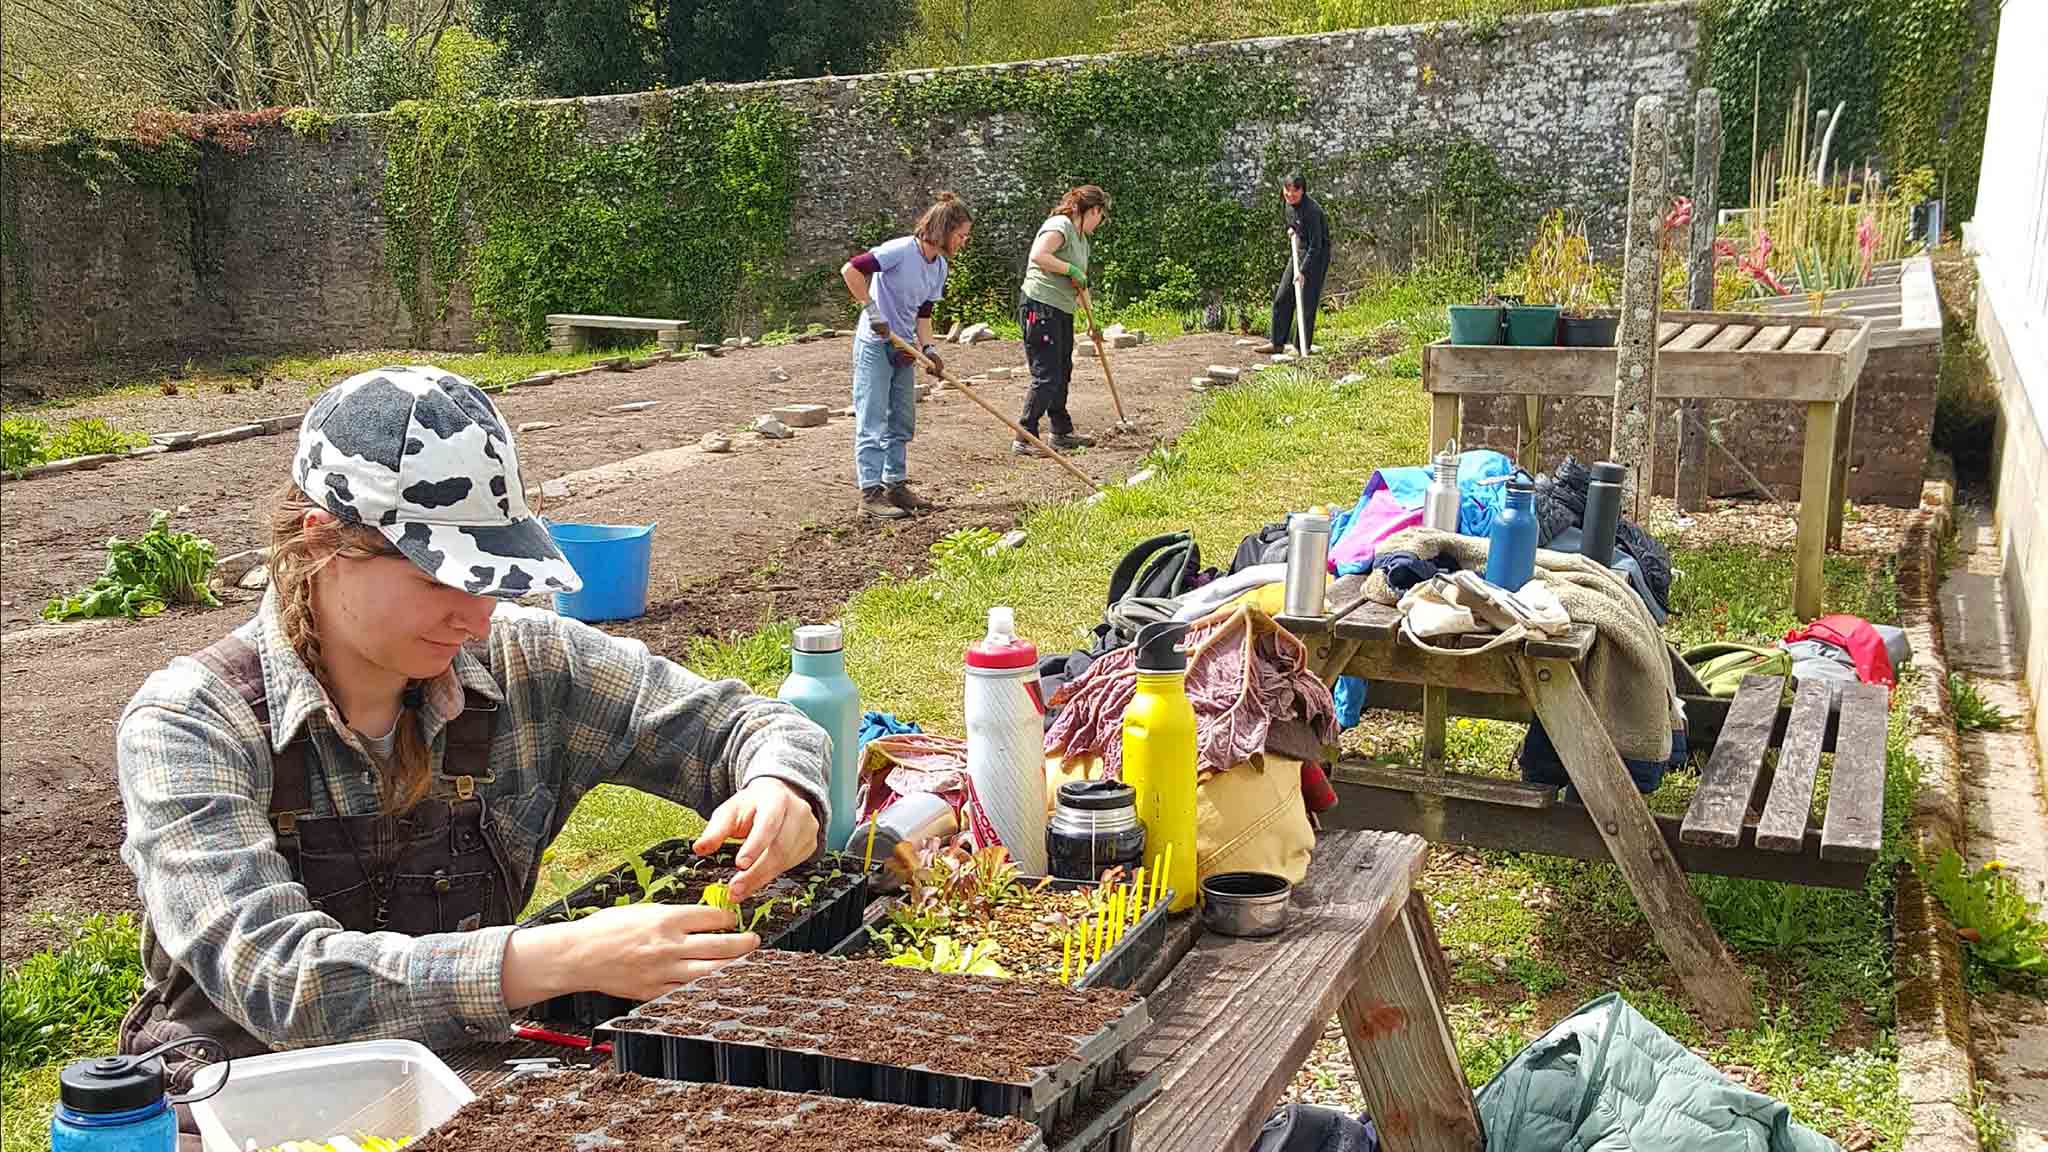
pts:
[1120, 967]
[829, 919]
[577, 1111]
[853, 1028]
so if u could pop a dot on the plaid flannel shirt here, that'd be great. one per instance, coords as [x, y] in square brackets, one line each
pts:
[576, 708]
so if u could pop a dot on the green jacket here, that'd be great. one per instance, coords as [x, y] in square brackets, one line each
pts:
[1605, 1079]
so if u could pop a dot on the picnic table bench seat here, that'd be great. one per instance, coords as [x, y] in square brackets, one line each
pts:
[570, 331]
[1748, 819]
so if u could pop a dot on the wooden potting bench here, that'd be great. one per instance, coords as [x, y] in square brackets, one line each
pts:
[1234, 1020]
[1810, 360]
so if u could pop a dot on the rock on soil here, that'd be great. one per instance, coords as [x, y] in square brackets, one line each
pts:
[770, 428]
[802, 415]
[715, 443]
[230, 569]
[256, 578]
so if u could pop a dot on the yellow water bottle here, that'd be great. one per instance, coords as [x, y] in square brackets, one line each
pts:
[1159, 757]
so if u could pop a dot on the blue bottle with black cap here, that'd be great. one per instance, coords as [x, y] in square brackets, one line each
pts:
[121, 1103]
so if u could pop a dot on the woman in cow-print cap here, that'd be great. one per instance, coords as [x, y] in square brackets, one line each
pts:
[335, 813]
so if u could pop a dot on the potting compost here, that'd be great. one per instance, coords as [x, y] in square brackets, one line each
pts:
[578, 1111]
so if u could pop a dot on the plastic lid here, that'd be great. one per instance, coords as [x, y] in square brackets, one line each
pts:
[1608, 472]
[1001, 649]
[1097, 795]
[1159, 647]
[818, 638]
[1309, 522]
[111, 1084]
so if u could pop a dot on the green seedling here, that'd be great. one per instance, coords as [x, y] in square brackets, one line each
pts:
[946, 955]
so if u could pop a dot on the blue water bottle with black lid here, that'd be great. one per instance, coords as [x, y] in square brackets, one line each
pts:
[121, 1103]
[1511, 544]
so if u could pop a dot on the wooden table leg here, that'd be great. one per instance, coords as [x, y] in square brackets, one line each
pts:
[1443, 421]
[1529, 438]
[1816, 494]
[1838, 488]
[1702, 964]
[1436, 708]
[1401, 1045]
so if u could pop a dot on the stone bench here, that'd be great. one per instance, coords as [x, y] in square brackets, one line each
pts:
[570, 332]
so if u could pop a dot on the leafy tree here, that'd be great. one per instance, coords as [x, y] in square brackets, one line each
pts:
[577, 47]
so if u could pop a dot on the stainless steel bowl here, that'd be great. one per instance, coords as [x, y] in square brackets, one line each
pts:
[1245, 903]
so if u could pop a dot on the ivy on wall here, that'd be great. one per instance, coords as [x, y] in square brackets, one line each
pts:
[1914, 76]
[680, 220]
[1153, 131]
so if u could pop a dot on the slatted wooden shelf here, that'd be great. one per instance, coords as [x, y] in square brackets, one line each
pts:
[1700, 356]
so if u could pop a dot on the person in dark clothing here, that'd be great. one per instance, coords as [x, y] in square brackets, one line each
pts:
[1306, 220]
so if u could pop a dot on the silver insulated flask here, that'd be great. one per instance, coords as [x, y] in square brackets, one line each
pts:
[1440, 503]
[1308, 563]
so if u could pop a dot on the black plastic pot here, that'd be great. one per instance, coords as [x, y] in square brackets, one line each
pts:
[1120, 967]
[1050, 1097]
[829, 920]
[1587, 331]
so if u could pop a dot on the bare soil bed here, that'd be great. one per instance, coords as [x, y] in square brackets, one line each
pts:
[770, 530]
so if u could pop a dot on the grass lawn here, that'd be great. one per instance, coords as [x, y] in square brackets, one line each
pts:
[1529, 937]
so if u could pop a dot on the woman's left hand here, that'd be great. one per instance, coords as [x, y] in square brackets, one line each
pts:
[780, 830]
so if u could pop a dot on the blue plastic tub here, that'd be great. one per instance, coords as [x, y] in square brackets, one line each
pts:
[613, 560]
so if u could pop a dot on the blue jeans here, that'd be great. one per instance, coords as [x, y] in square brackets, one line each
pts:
[884, 414]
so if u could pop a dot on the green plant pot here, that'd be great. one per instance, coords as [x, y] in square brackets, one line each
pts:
[1533, 325]
[1476, 323]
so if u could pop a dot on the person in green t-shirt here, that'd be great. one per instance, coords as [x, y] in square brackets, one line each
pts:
[1056, 272]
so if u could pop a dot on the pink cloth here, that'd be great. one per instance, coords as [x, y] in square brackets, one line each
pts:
[1383, 516]
[1244, 673]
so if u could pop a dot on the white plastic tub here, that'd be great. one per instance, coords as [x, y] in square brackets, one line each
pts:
[318, 1093]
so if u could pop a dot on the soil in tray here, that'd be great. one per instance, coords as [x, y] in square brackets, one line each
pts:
[1004, 1031]
[808, 884]
[584, 1111]
[1029, 931]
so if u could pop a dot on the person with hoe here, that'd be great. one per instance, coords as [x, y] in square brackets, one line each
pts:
[897, 285]
[335, 812]
[1311, 238]
[1054, 276]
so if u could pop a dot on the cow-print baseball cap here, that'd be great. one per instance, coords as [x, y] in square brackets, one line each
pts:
[422, 455]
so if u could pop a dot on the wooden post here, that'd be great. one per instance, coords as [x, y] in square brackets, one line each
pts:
[1635, 843]
[1816, 493]
[1845, 439]
[1443, 422]
[1690, 489]
[1631, 441]
[1529, 434]
[1401, 1046]
[1436, 710]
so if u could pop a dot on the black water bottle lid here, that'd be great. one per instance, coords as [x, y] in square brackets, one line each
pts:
[1097, 795]
[111, 1084]
[1608, 472]
[1159, 647]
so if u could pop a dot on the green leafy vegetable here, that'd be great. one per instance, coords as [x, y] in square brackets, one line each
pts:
[946, 955]
[144, 576]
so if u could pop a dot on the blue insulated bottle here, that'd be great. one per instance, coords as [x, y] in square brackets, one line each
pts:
[1511, 545]
[119, 1103]
[820, 689]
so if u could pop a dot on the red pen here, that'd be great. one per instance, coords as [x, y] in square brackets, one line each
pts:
[563, 1039]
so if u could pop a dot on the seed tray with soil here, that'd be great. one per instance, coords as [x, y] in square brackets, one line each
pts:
[810, 908]
[585, 1111]
[875, 1031]
[1031, 933]
[1107, 1121]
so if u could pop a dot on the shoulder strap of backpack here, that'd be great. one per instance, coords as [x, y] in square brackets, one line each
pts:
[1134, 560]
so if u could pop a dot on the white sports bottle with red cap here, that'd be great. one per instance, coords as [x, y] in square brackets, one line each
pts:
[1006, 739]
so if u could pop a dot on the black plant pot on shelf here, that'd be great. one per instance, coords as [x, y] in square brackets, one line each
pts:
[1587, 331]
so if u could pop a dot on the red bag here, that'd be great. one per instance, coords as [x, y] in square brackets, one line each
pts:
[1854, 635]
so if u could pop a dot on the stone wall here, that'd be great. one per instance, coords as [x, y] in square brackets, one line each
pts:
[282, 249]
[1887, 456]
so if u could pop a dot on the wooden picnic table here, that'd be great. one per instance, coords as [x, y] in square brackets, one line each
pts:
[1810, 360]
[1233, 1020]
[1542, 676]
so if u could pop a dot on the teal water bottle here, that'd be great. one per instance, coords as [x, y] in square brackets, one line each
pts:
[120, 1103]
[819, 688]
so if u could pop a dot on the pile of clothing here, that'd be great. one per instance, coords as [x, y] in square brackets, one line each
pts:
[1834, 650]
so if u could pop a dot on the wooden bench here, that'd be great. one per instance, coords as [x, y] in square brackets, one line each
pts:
[570, 332]
[1742, 805]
